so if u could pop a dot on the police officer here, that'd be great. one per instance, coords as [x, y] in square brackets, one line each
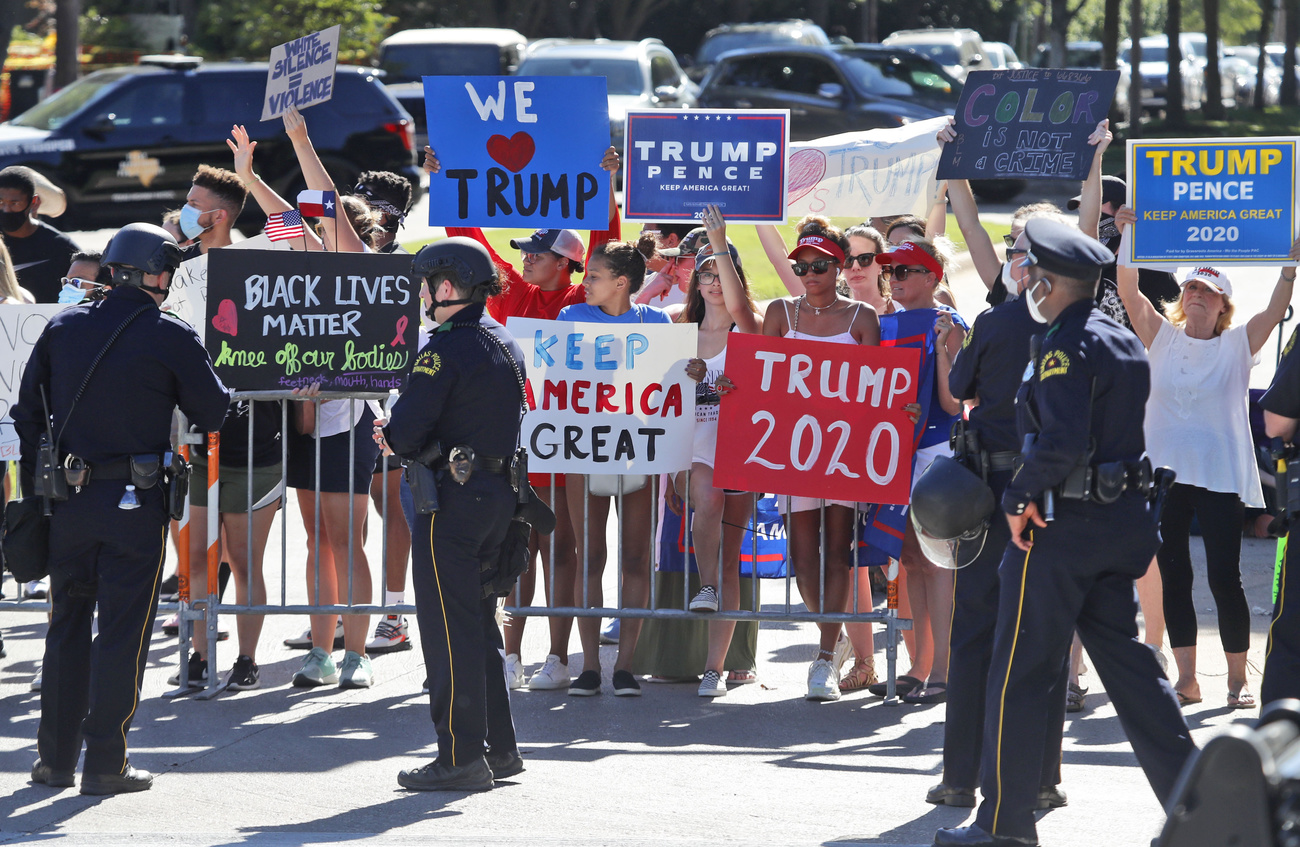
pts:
[1082, 531]
[1281, 405]
[112, 422]
[988, 369]
[463, 402]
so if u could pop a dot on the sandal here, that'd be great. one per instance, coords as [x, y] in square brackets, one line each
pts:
[862, 675]
[1243, 699]
[741, 677]
[1074, 698]
[918, 696]
[903, 685]
[1185, 701]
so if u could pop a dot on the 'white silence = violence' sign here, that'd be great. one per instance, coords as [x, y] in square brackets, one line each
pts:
[607, 398]
[301, 73]
[20, 326]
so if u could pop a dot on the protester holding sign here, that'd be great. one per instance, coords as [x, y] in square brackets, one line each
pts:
[916, 268]
[1198, 423]
[719, 303]
[615, 272]
[821, 314]
[540, 289]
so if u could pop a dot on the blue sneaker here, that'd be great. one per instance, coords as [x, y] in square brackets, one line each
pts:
[317, 669]
[609, 635]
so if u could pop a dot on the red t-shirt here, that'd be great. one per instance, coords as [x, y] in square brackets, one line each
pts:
[525, 300]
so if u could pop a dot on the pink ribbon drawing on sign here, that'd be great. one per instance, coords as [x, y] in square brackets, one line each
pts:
[401, 330]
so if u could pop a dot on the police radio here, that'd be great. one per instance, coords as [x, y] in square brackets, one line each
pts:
[51, 484]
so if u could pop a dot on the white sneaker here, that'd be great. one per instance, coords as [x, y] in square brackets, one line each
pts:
[37, 589]
[823, 681]
[843, 654]
[36, 680]
[712, 685]
[554, 674]
[514, 672]
[355, 672]
[1161, 659]
[392, 634]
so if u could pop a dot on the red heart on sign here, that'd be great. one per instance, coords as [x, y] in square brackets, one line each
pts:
[227, 318]
[807, 167]
[514, 152]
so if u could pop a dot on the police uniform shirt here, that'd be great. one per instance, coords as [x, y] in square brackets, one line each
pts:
[462, 390]
[40, 260]
[1082, 355]
[1283, 396]
[156, 364]
[989, 366]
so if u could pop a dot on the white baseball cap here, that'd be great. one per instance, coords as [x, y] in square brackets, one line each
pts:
[564, 242]
[1212, 277]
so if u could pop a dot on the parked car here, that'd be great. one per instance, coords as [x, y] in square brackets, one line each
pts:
[1087, 55]
[728, 37]
[836, 89]
[408, 56]
[1002, 56]
[124, 143]
[960, 51]
[1241, 64]
[1155, 72]
[1277, 52]
[639, 74]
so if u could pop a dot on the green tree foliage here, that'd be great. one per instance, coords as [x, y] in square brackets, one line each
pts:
[250, 29]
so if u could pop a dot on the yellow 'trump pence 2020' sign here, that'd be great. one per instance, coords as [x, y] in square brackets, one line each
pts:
[1226, 201]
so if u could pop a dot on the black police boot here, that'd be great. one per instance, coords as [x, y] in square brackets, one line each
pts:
[46, 775]
[504, 764]
[974, 836]
[948, 795]
[435, 776]
[133, 779]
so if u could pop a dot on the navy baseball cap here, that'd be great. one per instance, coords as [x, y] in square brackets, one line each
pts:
[706, 253]
[1113, 190]
[1060, 248]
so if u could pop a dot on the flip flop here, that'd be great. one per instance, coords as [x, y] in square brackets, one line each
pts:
[920, 698]
[1184, 701]
[902, 686]
[741, 677]
[1241, 700]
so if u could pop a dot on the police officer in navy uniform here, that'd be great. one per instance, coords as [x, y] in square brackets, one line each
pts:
[1281, 405]
[988, 369]
[1083, 531]
[108, 538]
[464, 392]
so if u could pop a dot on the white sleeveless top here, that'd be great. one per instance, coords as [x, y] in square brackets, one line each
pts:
[1198, 417]
[845, 337]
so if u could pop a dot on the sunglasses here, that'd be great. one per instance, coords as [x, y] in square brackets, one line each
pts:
[1011, 253]
[708, 278]
[818, 267]
[863, 260]
[81, 283]
[902, 272]
[1009, 240]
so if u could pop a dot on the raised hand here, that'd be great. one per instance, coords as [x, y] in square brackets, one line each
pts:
[295, 125]
[243, 149]
[715, 225]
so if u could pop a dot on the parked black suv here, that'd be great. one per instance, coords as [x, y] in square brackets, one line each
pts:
[124, 143]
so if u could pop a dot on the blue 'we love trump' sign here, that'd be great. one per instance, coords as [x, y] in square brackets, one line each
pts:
[518, 151]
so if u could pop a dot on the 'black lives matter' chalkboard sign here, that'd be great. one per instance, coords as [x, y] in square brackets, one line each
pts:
[278, 320]
[1029, 123]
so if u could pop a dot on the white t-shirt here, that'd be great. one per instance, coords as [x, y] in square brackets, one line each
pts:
[1198, 417]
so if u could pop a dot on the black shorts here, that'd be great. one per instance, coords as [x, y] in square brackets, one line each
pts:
[334, 465]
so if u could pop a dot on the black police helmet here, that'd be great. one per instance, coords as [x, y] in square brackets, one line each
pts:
[143, 247]
[465, 256]
[951, 506]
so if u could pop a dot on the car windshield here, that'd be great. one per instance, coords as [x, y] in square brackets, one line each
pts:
[904, 76]
[409, 62]
[944, 54]
[622, 76]
[51, 113]
[715, 46]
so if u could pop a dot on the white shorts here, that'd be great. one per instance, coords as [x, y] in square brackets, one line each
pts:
[925, 456]
[787, 504]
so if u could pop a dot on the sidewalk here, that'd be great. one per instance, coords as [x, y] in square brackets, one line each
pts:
[281, 765]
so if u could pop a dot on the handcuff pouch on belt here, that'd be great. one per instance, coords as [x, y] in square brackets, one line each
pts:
[1106, 482]
[422, 480]
[967, 449]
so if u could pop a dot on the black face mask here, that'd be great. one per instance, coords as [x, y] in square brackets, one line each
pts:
[14, 221]
[1108, 234]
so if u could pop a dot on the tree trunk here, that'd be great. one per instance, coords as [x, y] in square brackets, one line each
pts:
[1060, 24]
[870, 13]
[1175, 111]
[1289, 97]
[1213, 78]
[67, 26]
[1265, 27]
[1110, 48]
[1135, 74]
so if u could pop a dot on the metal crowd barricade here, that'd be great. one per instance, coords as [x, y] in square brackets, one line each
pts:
[201, 605]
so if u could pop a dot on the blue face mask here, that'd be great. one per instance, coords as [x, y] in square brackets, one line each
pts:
[189, 222]
[71, 293]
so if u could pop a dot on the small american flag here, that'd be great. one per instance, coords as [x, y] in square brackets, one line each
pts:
[284, 225]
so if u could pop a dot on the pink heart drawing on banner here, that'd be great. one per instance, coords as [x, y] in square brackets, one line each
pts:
[227, 318]
[807, 167]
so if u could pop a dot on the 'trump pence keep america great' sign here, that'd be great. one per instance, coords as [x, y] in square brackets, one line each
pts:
[518, 151]
[301, 73]
[607, 398]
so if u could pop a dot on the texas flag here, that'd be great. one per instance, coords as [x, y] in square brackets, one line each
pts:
[317, 204]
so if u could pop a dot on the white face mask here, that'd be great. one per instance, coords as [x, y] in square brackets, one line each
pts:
[1033, 304]
[1013, 290]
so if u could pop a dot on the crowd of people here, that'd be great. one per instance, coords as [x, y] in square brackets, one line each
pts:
[882, 282]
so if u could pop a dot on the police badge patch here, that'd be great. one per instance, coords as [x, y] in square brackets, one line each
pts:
[427, 363]
[1054, 363]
